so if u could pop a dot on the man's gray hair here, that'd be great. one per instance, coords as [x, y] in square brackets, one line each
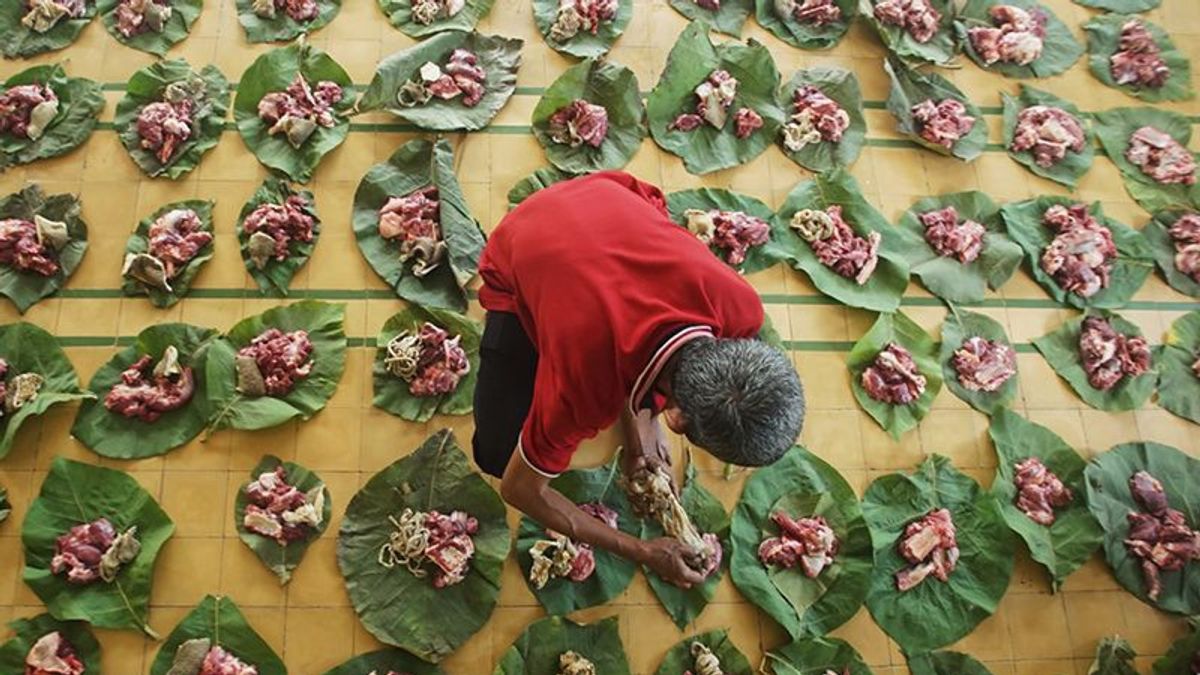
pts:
[741, 399]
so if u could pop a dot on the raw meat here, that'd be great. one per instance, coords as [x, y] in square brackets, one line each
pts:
[443, 540]
[577, 123]
[300, 109]
[815, 118]
[942, 123]
[426, 12]
[1015, 38]
[302, 11]
[651, 495]
[836, 245]
[176, 237]
[893, 376]
[710, 5]
[952, 237]
[1185, 233]
[575, 16]
[53, 654]
[414, 222]
[1039, 491]
[984, 365]
[1048, 133]
[746, 122]
[1161, 157]
[918, 18]
[274, 362]
[561, 557]
[704, 661]
[1159, 535]
[32, 246]
[571, 663]
[220, 662]
[1109, 356]
[813, 12]
[148, 390]
[42, 15]
[808, 542]
[714, 97]
[26, 110]
[279, 511]
[273, 228]
[164, 126]
[733, 232]
[931, 546]
[1138, 60]
[135, 17]
[92, 551]
[430, 361]
[1080, 256]
[461, 76]
[17, 390]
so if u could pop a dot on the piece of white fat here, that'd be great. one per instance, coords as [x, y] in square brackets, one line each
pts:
[40, 117]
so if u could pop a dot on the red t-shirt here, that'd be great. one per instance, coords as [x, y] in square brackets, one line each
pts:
[607, 287]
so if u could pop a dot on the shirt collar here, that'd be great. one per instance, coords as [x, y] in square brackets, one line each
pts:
[650, 373]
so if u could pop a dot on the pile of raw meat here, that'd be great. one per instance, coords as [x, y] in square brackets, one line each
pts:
[813, 12]
[714, 98]
[733, 232]
[273, 362]
[273, 228]
[576, 16]
[302, 11]
[815, 118]
[942, 122]
[893, 377]
[148, 390]
[807, 542]
[199, 656]
[32, 246]
[135, 17]
[1015, 36]
[27, 110]
[652, 495]
[918, 18]
[1039, 491]
[42, 15]
[951, 237]
[1159, 535]
[430, 361]
[1161, 157]
[164, 126]
[1138, 60]
[414, 222]
[462, 76]
[1185, 234]
[1109, 356]
[279, 511]
[1047, 133]
[983, 365]
[1081, 254]
[300, 109]
[577, 123]
[426, 12]
[434, 537]
[92, 551]
[18, 390]
[53, 654]
[561, 557]
[175, 238]
[836, 245]
[931, 546]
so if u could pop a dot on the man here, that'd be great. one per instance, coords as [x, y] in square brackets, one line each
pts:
[599, 308]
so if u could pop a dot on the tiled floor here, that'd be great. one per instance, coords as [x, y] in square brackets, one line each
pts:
[310, 622]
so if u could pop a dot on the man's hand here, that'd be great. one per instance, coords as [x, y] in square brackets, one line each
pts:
[645, 445]
[667, 558]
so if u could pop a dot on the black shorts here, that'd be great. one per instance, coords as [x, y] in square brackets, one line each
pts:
[503, 390]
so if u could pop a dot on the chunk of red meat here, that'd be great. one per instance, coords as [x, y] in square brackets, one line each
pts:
[952, 237]
[714, 97]
[77, 553]
[1039, 491]
[284, 223]
[413, 221]
[1161, 157]
[811, 12]
[301, 101]
[145, 395]
[733, 232]
[21, 250]
[836, 245]
[164, 126]
[450, 546]
[220, 662]
[468, 76]
[176, 237]
[1185, 234]
[1160, 536]
[918, 18]
[1108, 356]
[808, 542]
[745, 122]
[1048, 133]
[577, 123]
[53, 654]
[686, 122]
[283, 359]
[1015, 38]
[943, 122]
[17, 105]
[893, 377]
[575, 16]
[135, 17]
[815, 117]
[279, 510]
[441, 364]
[1080, 256]
[983, 365]
[710, 5]
[1138, 60]
[930, 544]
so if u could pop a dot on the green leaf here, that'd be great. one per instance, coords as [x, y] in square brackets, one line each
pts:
[218, 619]
[384, 661]
[936, 613]
[418, 164]
[276, 276]
[1162, 247]
[898, 328]
[842, 86]
[1060, 348]
[1110, 501]
[391, 392]
[805, 484]
[910, 87]
[1066, 545]
[498, 56]
[147, 86]
[283, 27]
[613, 573]
[1178, 384]
[79, 104]
[584, 44]
[536, 651]
[22, 42]
[817, 656]
[945, 276]
[1181, 655]
[1114, 656]
[729, 18]
[278, 558]
[883, 289]
[939, 50]
[1071, 168]
[679, 658]
[113, 435]
[74, 493]
[27, 348]
[396, 607]
[274, 71]
[399, 13]
[946, 663]
[183, 14]
[25, 289]
[181, 283]
[783, 245]
[542, 178]
[1023, 221]
[1104, 36]
[956, 329]
[1060, 49]
[690, 62]
[1121, 5]
[1114, 127]
[28, 631]
[324, 323]
[603, 83]
[806, 35]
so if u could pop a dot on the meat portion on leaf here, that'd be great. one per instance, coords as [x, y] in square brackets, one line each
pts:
[279, 511]
[745, 122]
[812, 12]
[274, 362]
[42, 15]
[952, 237]
[164, 126]
[147, 390]
[714, 97]
[425, 12]
[1138, 60]
[807, 542]
[135, 17]
[893, 377]
[297, 111]
[1160, 157]
[414, 222]
[931, 546]
[1039, 491]
[942, 122]
[17, 389]
[1109, 356]
[577, 123]
[815, 118]
[460, 77]
[53, 654]
[423, 539]
[559, 556]
[175, 238]
[273, 227]
[32, 246]
[574, 663]
[733, 232]
[984, 365]
[918, 18]
[301, 11]
[581, 16]
[199, 656]
[429, 360]
[651, 495]
[1048, 133]
[1185, 235]
[94, 551]
[1080, 256]
[1159, 535]
[26, 110]
[836, 245]
[1015, 36]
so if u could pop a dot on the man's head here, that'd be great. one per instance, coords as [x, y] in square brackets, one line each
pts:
[741, 400]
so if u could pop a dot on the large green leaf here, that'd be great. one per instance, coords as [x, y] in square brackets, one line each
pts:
[281, 559]
[939, 50]
[936, 613]
[391, 392]
[111, 434]
[1060, 49]
[147, 86]
[28, 631]
[1060, 348]
[274, 71]
[958, 327]
[384, 661]
[1114, 127]
[783, 245]
[603, 83]
[22, 42]
[418, 164]
[276, 276]
[1162, 246]
[801, 481]
[283, 27]
[945, 276]
[399, 13]
[1179, 659]
[498, 56]
[181, 283]
[30, 349]
[729, 17]
[1121, 5]
[1104, 36]
[841, 85]
[218, 619]
[583, 44]
[1178, 384]
[1134, 261]
[396, 607]
[817, 656]
[1064, 546]
[910, 87]
[229, 408]
[898, 328]
[25, 289]
[1114, 656]
[1110, 501]
[1071, 168]
[690, 62]
[541, 178]
[183, 14]
[74, 493]
[79, 104]
[883, 289]
[536, 651]
[679, 658]
[613, 573]
[805, 35]
[946, 663]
